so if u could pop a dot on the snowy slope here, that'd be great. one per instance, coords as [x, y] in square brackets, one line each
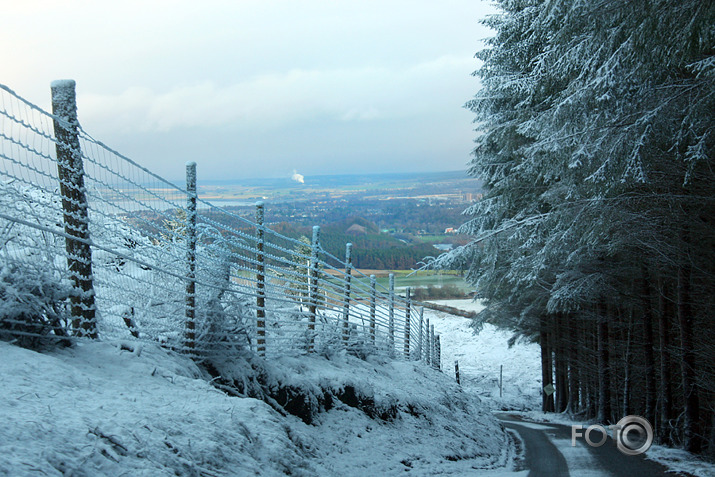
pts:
[481, 354]
[112, 409]
[98, 409]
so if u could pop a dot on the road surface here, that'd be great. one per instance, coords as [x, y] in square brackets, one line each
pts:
[548, 452]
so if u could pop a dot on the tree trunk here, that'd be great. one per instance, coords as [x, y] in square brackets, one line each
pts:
[604, 376]
[561, 364]
[591, 371]
[691, 411]
[547, 403]
[626, 411]
[666, 388]
[648, 345]
[574, 404]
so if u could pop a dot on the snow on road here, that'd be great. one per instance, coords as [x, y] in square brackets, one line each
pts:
[579, 459]
[676, 460]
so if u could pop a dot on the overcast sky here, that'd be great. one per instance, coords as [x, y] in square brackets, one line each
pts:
[258, 88]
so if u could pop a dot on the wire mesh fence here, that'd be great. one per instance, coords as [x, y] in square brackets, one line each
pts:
[93, 244]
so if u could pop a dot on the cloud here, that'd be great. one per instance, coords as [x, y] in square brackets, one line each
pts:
[271, 100]
[254, 87]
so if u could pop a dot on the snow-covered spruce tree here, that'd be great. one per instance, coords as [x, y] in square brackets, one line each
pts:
[638, 119]
[513, 221]
[595, 148]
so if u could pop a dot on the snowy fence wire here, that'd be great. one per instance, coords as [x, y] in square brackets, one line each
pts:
[248, 287]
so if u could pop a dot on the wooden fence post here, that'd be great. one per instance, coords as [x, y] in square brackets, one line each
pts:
[501, 380]
[373, 307]
[420, 341]
[407, 323]
[346, 303]
[313, 307]
[438, 352]
[260, 283]
[433, 347]
[428, 347]
[391, 314]
[70, 172]
[191, 197]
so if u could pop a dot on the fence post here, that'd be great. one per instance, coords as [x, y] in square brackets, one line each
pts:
[373, 307]
[433, 347]
[313, 307]
[70, 171]
[420, 335]
[391, 311]
[438, 352]
[428, 347]
[346, 303]
[190, 332]
[407, 323]
[260, 283]
[501, 379]
[456, 370]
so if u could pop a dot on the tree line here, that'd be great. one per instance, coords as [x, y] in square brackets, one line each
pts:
[596, 233]
[371, 249]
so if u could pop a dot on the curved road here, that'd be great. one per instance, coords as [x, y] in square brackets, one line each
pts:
[548, 452]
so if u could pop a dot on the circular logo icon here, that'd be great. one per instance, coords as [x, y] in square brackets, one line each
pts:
[634, 435]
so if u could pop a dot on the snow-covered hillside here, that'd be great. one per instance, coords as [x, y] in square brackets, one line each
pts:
[103, 408]
[481, 354]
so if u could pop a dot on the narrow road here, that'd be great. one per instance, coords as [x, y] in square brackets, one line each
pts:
[548, 452]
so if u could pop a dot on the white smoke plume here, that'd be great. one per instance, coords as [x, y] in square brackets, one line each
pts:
[298, 177]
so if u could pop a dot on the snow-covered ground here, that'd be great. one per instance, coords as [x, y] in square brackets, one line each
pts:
[100, 410]
[103, 408]
[480, 356]
[114, 408]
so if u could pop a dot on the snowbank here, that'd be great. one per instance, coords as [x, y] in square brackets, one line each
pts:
[110, 409]
[100, 410]
[430, 426]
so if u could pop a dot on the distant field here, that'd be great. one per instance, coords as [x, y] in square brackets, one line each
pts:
[408, 278]
[418, 281]
[432, 238]
[402, 280]
[381, 185]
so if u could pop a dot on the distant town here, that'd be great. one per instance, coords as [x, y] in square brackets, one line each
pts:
[393, 220]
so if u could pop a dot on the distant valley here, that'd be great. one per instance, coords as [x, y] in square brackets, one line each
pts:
[393, 220]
